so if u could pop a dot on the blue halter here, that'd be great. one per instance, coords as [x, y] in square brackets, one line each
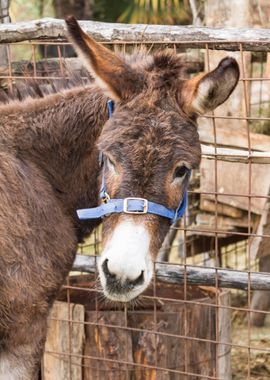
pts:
[129, 205]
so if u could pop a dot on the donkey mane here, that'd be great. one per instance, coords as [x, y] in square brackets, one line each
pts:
[28, 87]
[164, 68]
[26, 93]
[29, 101]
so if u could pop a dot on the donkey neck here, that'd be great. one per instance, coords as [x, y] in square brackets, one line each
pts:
[58, 134]
[68, 120]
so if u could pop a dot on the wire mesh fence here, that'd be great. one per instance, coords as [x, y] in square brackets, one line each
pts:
[210, 330]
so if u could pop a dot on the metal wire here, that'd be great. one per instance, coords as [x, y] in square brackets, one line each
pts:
[134, 343]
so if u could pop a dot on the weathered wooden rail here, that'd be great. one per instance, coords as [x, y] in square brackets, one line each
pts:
[235, 155]
[178, 274]
[217, 38]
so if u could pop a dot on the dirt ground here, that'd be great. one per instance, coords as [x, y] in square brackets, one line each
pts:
[253, 364]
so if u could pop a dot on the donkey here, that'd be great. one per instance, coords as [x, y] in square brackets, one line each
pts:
[50, 168]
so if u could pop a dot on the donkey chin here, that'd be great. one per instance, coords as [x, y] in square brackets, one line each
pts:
[125, 266]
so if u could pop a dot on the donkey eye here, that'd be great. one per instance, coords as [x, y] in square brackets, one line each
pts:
[180, 171]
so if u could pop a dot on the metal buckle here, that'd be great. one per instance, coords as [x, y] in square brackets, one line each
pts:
[105, 197]
[125, 206]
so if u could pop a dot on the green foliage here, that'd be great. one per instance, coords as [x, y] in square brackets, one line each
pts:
[109, 10]
[157, 12]
[21, 10]
[261, 126]
[129, 11]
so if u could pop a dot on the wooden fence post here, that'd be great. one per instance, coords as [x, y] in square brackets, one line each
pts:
[64, 345]
[4, 18]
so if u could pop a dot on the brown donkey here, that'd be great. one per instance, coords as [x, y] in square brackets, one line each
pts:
[49, 168]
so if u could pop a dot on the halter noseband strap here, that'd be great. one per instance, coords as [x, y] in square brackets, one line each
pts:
[129, 205]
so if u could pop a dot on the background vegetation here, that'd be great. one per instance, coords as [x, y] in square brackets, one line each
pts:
[130, 11]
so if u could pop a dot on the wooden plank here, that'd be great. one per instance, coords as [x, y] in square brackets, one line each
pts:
[233, 178]
[74, 64]
[208, 221]
[260, 246]
[178, 274]
[224, 336]
[264, 247]
[50, 65]
[220, 14]
[260, 303]
[153, 346]
[108, 343]
[235, 155]
[222, 209]
[232, 138]
[176, 353]
[218, 38]
[64, 338]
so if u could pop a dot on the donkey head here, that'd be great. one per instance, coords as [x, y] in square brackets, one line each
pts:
[149, 146]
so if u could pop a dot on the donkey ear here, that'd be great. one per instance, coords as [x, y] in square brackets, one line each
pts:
[112, 74]
[206, 92]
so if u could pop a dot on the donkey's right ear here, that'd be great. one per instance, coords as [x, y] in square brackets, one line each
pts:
[207, 91]
[111, 73]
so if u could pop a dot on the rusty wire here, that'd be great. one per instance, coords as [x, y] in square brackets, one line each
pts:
[237, 254]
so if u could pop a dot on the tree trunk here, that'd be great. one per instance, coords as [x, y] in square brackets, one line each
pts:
[81, 9]
[227, 14]
[4, 11]
[261, 299]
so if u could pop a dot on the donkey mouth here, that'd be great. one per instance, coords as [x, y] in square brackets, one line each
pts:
[123, 295]
[123, 290]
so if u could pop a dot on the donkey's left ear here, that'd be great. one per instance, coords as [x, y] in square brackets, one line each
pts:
[206, 92]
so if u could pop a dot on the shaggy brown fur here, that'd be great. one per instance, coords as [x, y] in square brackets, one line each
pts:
[47, 160]
[49, 169]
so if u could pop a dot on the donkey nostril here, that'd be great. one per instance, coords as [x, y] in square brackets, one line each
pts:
[106, 270]
[121, 277]
[139, 280]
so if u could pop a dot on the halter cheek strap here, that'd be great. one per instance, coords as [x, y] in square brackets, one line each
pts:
[110, 105]
[130, 205]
